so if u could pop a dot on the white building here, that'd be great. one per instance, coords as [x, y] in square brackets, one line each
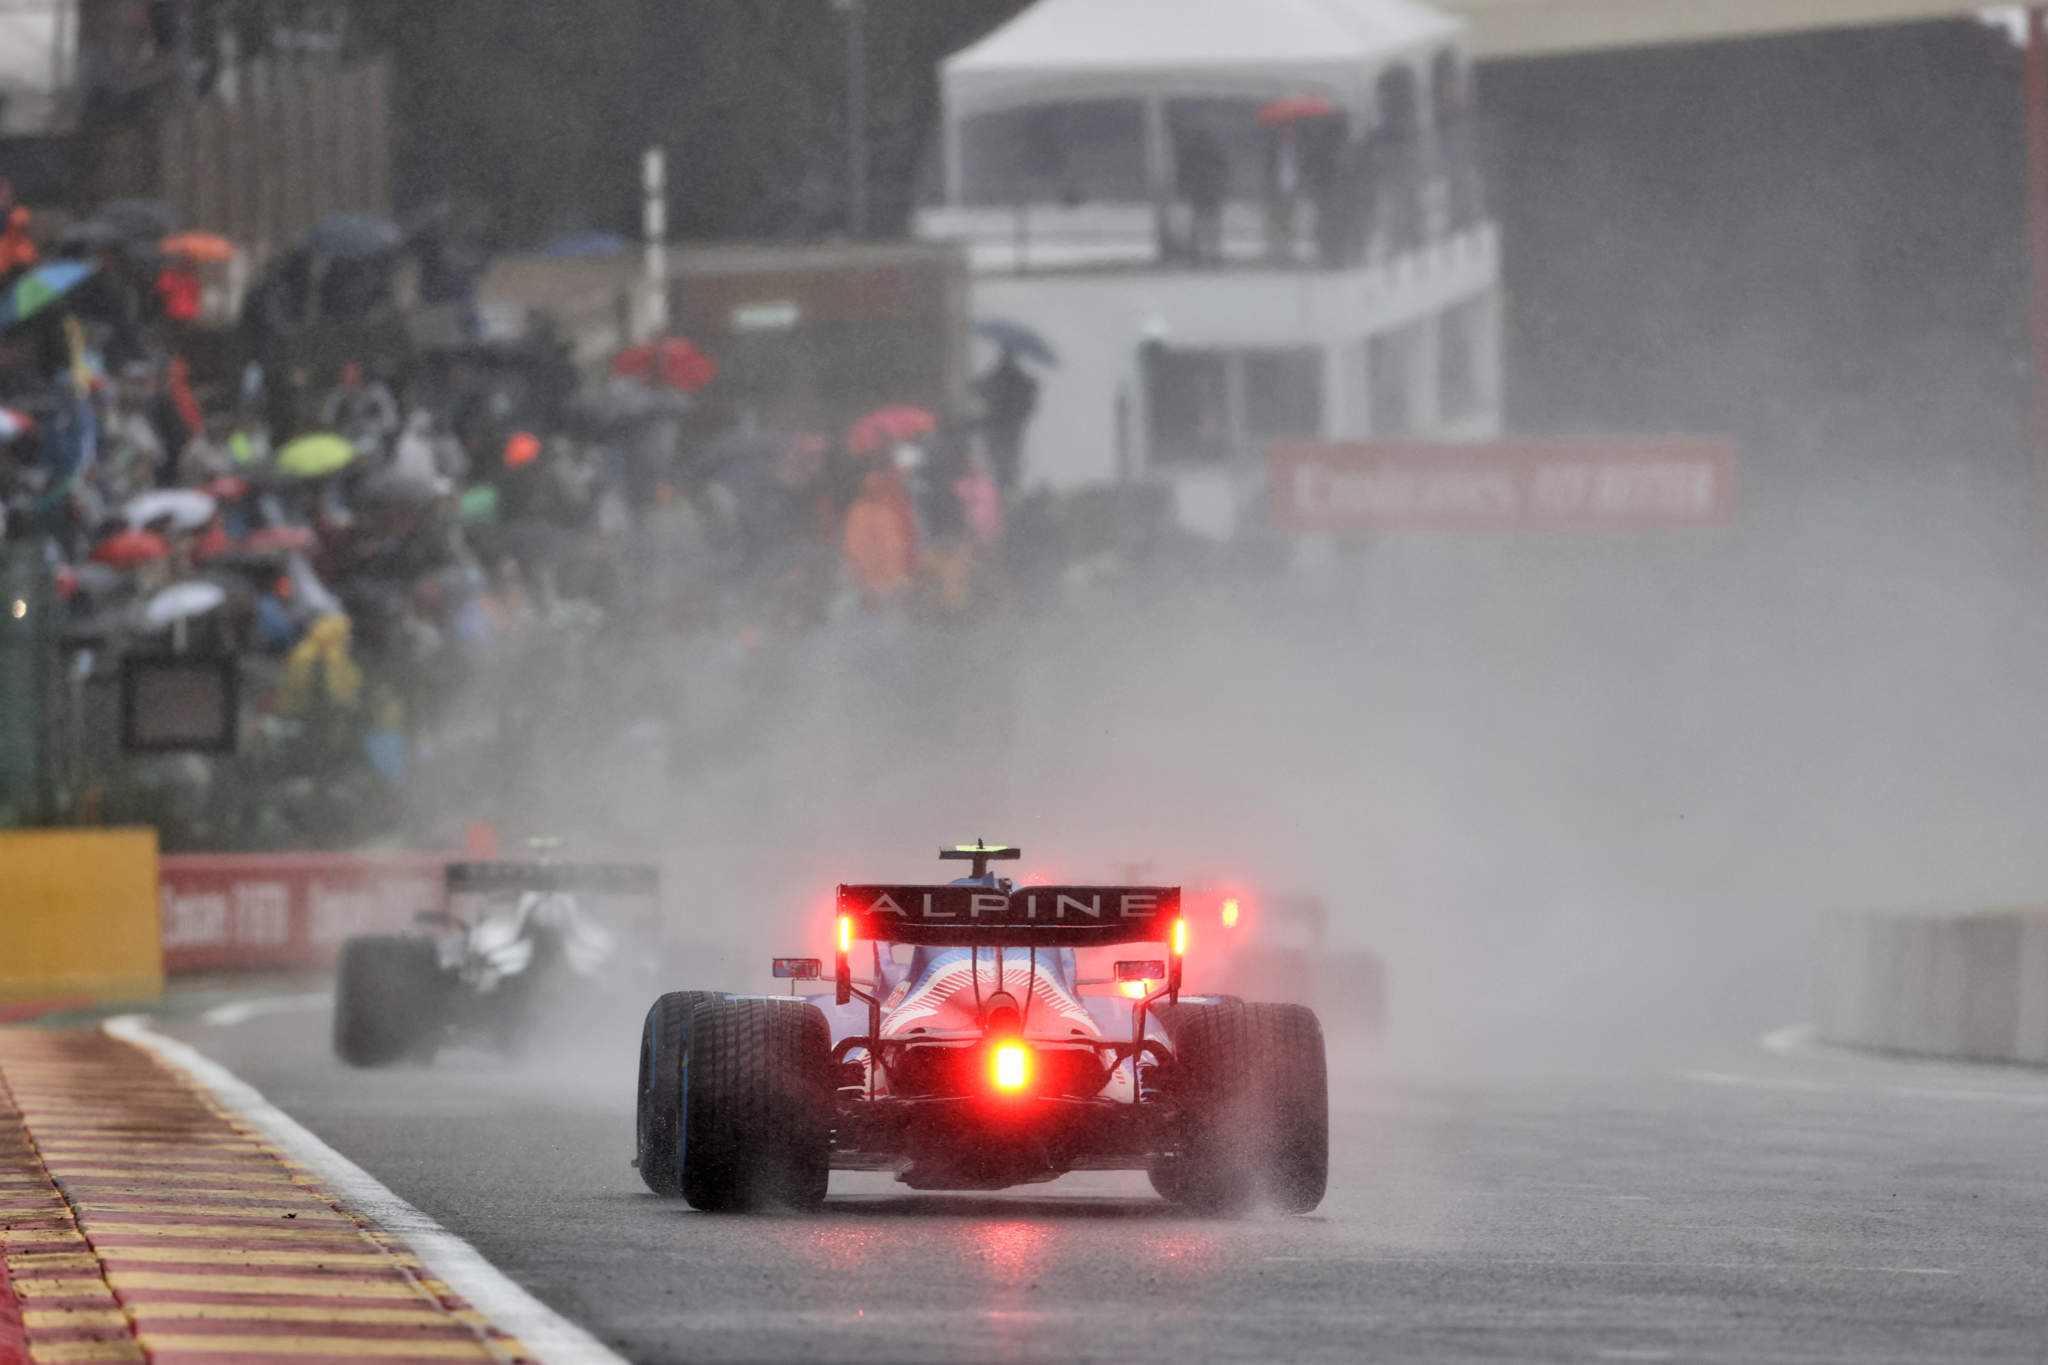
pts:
[1341, 282]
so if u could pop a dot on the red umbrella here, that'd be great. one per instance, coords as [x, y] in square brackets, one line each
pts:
[522, 450]
[889, 426]
[130, 548]
[671, 361]
[1280, 113]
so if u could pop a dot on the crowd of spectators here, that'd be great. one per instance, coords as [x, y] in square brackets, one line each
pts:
[420, 557]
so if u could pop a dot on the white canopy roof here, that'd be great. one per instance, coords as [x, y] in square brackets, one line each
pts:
[1077, 48]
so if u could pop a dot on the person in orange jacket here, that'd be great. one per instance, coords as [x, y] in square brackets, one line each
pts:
[877, 542]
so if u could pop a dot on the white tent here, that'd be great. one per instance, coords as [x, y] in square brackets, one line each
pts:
[1076, 49]
[37, 39]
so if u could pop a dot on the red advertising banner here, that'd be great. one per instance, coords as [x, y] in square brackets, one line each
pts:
[287, 909]
[1565, 483]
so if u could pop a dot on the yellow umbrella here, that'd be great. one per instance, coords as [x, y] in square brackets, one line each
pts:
[315, 456]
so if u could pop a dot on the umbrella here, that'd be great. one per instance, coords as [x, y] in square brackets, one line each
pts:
[671, 361]
[97, 580]
[1015, 336]
[137, 219]
[521, 450]
[889, 426]
[290, 539]
[182, 601]
[130, 548]
[200, 248]
[622, 402]
[187, 509]
[478, 506]
[316, 456]
[99, 628]
[40, 288]
[14, 422]
[1280, 113]
[89, 238]
[353, 235]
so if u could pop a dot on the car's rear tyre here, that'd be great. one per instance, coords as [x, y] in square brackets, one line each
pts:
[757, 1099]
[658, 1118]
[387, 1000]
[1252, 1087]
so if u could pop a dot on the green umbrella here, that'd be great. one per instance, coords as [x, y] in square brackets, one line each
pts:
[315, 456]
[40, 288]
[479, 505]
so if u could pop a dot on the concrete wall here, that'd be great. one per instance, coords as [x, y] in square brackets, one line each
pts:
[1971, 985]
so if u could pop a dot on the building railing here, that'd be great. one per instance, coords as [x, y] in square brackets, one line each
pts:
[1397, 217]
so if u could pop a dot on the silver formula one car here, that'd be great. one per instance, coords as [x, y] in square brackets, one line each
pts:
[515, 944]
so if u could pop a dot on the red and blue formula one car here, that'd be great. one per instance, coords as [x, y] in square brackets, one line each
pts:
[965, 1045]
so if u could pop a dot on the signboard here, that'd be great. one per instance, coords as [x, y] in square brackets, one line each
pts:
[171, 703]
[286, 910]
[1583, 483]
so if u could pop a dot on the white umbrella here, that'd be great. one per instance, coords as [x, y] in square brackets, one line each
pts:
[188, 508]
[182, 601]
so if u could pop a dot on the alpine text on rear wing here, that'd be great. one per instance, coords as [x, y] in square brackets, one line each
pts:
[1048, 916]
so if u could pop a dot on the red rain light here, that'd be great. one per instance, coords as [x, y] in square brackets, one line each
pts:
[1180, 938]
[1230, 913]
[1010, 1066]
[846, 933]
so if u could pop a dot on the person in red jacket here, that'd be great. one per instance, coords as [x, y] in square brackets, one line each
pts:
[17, 248]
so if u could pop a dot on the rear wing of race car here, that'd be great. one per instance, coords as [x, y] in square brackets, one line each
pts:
[1026, 917]
[1023, 917]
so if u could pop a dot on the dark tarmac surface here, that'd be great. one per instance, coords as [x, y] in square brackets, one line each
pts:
[1753, 1205]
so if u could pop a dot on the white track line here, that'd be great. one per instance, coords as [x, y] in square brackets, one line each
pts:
[242, 1011]
[546, 1335]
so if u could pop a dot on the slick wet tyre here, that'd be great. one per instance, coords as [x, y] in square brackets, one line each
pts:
[1252, 1086]
[757, 1102]
[387, 1001]
[658, 1117]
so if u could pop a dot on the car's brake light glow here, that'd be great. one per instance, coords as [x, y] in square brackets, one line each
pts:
[846, 933]
[1136, 990]
[1180, 938]
[1230, 913]
[1010, 1067]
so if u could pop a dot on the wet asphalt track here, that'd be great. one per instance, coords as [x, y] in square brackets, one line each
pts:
[1747, 1206]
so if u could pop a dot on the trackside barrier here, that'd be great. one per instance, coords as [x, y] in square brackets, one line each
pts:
[1973, 985]
[239, 911]
[78, 915]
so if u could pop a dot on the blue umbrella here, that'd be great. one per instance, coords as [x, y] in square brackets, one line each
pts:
[353, 236]
[1015, 336]
[40, 288]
